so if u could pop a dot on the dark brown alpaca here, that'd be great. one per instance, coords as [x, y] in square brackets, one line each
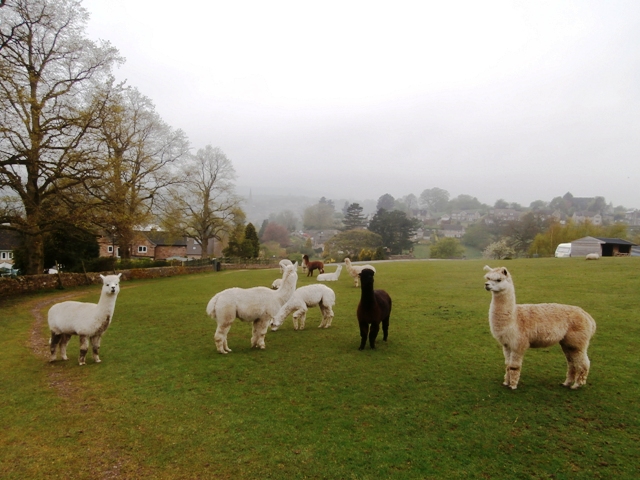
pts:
[311, 266]
[374, 308]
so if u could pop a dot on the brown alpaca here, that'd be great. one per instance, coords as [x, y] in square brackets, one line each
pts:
[519, 327]
[311, 266]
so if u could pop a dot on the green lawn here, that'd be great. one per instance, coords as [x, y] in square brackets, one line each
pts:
[427, 404]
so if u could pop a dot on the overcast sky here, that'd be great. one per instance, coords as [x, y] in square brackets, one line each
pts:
[519, 100]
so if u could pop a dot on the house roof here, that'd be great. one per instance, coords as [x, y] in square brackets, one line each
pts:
[602, 240]
[616, 241]
[163, 238]
[9, 239]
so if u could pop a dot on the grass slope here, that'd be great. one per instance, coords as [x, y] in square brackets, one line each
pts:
[427, 404]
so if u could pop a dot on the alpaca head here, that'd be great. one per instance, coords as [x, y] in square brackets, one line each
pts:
[290, 271]
[366, 277]
[111, 284]
[497, 279]
[347, 261]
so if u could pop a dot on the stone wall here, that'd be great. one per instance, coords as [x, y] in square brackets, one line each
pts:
[24, 284]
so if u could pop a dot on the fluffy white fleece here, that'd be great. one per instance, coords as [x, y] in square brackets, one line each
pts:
[299, 303]
[257, 305]
[87, 320]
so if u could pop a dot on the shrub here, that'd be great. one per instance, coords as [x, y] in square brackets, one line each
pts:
[446, 248]
[499, 250]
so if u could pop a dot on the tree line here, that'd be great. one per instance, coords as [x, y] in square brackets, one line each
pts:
[81, 153]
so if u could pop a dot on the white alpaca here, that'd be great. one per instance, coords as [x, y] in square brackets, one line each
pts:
[592, 256]
[257, 305]
[519, 327]
[87, 320]
[283, 263]
[277, 283]
[354, 270]
[303, 298]
[330, 277]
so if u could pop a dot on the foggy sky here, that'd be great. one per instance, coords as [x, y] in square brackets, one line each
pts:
[502, 99]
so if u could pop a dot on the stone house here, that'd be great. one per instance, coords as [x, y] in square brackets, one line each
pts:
[151, 244]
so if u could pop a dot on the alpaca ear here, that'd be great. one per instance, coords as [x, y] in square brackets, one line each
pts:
[487, 268]
[102, 276]
[119, 275]
[505, 272]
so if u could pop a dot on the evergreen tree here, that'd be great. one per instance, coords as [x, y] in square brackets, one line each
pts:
[251, 242]
[395, 228]
[353, 217]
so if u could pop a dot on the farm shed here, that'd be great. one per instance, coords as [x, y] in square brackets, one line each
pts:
[605, 247]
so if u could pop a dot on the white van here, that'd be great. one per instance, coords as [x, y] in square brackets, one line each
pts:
[563, 250]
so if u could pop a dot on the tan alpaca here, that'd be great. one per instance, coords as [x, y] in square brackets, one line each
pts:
[519, 327]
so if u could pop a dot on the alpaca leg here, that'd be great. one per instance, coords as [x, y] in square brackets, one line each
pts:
[327, 316]
[364, 333]
[221, 337]
[373, 334]
[260, 328]
[577, 366]
[507, 357]
[295, 322]
[53, 343]
[84, 348]
[302, 317]
[385, 329]
[64, 341]
[95, 344]
[514, 367]
[570, 354]
[582, 365]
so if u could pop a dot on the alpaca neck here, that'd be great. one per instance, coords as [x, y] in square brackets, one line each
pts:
[503, 308]
[107, 303]
[366, 296]
[287, 288]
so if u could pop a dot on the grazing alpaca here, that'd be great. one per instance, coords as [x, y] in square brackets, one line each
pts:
[303, 298]
[311, 266]
[277, 283]
[519, 327]
[374, 308]
[257, 305]
[330, 277]
[354, 270]
[87, 320]
[592, 256]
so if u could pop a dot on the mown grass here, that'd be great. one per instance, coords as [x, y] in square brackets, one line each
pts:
[427, 404]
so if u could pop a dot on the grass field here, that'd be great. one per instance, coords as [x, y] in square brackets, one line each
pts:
[427, 404]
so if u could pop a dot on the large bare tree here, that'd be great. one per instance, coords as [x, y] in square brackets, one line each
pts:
[138, 160]
[48, 73]
[204, 206]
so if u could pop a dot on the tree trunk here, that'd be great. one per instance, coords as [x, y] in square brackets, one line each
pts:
[204, 243]
[125, 239]
[34, 248]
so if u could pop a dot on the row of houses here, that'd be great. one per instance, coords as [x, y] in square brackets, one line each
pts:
[151, 244]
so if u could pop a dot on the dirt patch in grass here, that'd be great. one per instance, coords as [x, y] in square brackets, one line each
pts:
[105, 460]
